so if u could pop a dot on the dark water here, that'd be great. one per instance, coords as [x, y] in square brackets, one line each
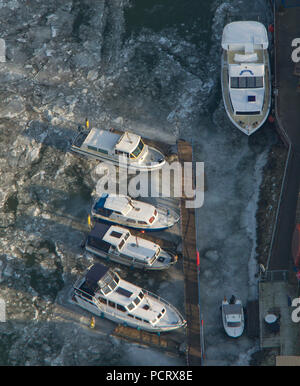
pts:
[185, 16]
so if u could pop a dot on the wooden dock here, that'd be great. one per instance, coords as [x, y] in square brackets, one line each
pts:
[189, 251]
[141, 337]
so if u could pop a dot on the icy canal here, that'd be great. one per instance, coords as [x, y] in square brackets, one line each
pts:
[152, 67]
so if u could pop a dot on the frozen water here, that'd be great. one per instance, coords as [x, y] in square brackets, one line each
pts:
[122, 64]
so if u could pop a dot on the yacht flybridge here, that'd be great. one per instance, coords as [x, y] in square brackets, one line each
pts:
[131, 213]
[122, 149]
[245, 74]
[102, 292]
[117, 244]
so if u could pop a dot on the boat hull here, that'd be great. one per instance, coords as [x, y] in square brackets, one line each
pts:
[119, 259]
[120, 221]
[118, 162]
[123, 319]
[232, 332]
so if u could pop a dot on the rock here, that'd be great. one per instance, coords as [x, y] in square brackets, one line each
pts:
[92, 75]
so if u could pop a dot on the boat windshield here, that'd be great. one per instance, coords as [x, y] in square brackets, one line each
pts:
[137, 151]
[136, 301]
[233, 324]
[246, 82]
[109, 282]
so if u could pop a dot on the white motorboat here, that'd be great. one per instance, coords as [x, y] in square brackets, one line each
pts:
[245, 74]
[123, 210]
[233, 317]
[115, 243]
[102, 292]
[124, 149]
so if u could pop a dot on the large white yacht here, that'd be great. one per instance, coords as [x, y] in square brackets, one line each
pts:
[117, 244]
[102, 292]
[122, 149]
[245, 74]
[124, 210]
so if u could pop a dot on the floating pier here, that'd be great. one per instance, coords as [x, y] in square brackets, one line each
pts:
[191, 271]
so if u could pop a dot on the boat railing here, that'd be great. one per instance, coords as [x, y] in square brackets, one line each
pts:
[164, 301]
[168, 212]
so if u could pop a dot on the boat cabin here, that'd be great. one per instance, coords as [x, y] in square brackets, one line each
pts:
[114, 207]
[128, 145]
[118, 241]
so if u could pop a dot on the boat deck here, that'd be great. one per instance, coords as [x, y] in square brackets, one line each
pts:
[231, 54]
[253, 121]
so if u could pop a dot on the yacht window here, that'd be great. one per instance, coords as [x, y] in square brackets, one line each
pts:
[111, 304]
[246, 82]
[136, 301]
[141, 295]
[113, 285]
[137, 151]
[142, 222]
[106, 290]
[102, 300]
[92, 148]
[108, 283]
[130, 306]
[102, 151]
[116, 234]
[116, 278]
[233, 324]
[155, 212]
[151, 219]
[126, 236]
[130, 315]
[146, 321]
[251, 82]
[242, 82]
[121, 244]
[138, 318]
[121, 308]
[131, 220]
